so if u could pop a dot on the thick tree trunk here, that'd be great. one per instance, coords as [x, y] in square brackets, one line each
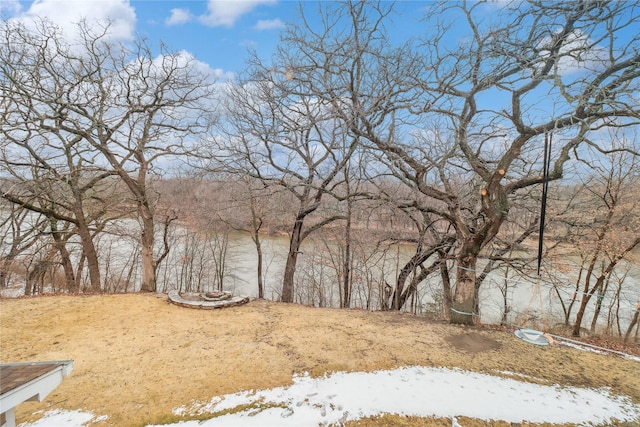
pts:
[89, 251]
[463, 304]
[148, 262]
[292, 259]
[71, 281]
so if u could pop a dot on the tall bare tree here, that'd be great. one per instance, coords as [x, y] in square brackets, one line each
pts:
[469, 107]
[54, 177]
[248, 196]
[287, 139]
[604, 228]
[19, 230]
[126, 107]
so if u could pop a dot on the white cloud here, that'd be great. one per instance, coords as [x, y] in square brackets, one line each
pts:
[178, 17]
[248, 43]
[225, 13]
[10, 7]
[187, 60]
[67, 13]
[216, 74]
[577, 53]
[269, 24]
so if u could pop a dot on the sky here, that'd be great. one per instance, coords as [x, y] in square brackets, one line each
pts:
[217, 32]
[413, 390]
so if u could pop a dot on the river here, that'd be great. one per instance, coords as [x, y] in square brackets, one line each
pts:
[532, 301]
[197, 263]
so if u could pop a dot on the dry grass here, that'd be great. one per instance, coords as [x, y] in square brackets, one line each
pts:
[138, 357]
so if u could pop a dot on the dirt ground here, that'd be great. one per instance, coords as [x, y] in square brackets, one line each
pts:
[137, 357]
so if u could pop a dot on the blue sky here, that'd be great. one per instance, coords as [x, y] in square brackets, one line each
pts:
[220, 32]
[215, 32]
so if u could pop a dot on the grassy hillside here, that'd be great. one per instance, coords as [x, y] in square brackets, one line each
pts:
[138, 357]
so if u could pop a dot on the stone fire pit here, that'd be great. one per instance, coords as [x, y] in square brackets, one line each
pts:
[206, 300]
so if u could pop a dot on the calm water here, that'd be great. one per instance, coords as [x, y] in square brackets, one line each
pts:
[195, 263]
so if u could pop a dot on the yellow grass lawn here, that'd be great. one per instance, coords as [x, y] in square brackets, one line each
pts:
[138, 357]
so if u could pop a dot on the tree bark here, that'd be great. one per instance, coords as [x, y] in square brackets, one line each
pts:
[462, 306]
[71, 281]
[89, 251]
[346, 279]
[446, 286]
[634, 322]
[292, 259]
[148, 283]
[256, 225]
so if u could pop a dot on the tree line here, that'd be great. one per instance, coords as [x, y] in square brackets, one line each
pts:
[442, 136]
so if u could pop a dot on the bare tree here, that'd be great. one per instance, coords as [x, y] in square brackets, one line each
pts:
[53, 177]
[606, 229]
[474, 116]
[635, 323]
[20, 230]
[120, 106]
[288, 140]
[247, 213]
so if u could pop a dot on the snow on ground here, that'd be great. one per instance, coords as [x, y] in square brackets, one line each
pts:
[419, 391]
[59, 418]
[593, 349]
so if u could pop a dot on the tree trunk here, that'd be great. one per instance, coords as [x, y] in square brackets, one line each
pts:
[596, 313]
[397, 301]
[146, 244]
[580, 314]
[505, 300]
[292, 259]
[256, 240]
[634, 322]
[256, 225]
[5, 268]
[586, 297]
[462, 306]
[71, 281]
[346, 279]
[89, 251]
[446, 285]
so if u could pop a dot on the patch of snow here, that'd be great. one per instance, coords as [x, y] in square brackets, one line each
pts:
[581, 347]
[596, 350]
[519, 375]
[418, 391]
[59, 417]
[632, 357]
